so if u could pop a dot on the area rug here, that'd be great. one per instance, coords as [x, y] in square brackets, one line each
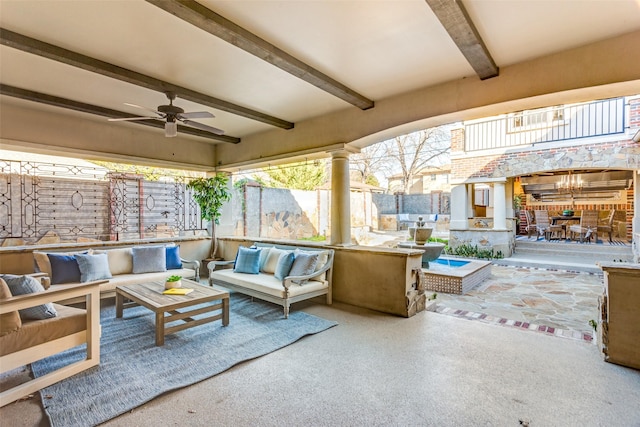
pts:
[133, 370]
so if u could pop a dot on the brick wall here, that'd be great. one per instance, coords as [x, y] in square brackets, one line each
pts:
[634, 113]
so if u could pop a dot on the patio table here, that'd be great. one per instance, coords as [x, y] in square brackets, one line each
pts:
[555, 219]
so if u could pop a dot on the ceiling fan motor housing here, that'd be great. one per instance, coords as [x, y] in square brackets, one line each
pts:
[171, 111]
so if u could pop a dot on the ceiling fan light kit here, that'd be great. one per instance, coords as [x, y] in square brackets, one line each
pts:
[170, 129]
[172, 114]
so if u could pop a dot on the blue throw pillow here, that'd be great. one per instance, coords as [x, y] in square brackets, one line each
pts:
[64, 269]
[149, 259]
[304, 264]
[93, 267]
[173, 257]
[22, 285]
[284, 265]
[247, 261]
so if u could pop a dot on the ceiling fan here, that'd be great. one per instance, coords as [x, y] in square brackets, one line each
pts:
[172, 115]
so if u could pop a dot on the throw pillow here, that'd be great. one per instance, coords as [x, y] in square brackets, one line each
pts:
[264, 253]
[173, 257]
[120, 260]
[271, 260]
[247, 261]
[303, 265]
[93, 267]
[284, 265]
[149, 259]
[9, 322]
[22, 285]
[64, 269]
[322, 260]
[41, 260]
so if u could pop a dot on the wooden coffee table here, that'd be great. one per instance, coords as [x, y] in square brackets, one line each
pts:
[149, 295]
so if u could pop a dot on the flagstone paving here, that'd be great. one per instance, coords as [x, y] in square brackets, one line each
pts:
[554, 302]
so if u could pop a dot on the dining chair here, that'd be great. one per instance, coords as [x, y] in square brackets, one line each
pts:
[530, 228]
[544, 226]
[608, 226]
[588, 226]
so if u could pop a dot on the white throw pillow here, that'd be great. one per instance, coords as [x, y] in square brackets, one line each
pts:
[271, 262]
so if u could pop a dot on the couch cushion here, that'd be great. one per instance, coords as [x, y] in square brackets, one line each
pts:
[129, 279]
[172, 254]
[33, 332]
[247, 261]
[9, 322]
[266, 283]
[93, 267]
[149, 259]
[22, 285]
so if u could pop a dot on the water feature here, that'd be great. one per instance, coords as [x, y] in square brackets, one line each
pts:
[451, 262]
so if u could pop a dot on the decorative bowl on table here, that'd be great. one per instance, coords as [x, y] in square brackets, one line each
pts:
[567, 212]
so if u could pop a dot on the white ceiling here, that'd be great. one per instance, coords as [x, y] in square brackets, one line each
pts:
[378, 48]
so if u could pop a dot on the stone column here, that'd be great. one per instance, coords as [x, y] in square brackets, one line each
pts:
[340, 199]
[499, 206]
[471, 201]
[459, 207]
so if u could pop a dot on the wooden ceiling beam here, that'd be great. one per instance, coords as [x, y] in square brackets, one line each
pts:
[37, 47]
[455, 19]
[219, 26]
[69, 104]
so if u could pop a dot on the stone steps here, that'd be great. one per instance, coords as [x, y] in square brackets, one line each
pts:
[562, 255]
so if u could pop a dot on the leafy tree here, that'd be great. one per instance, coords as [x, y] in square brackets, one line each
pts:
[297, 176]
[210, 194]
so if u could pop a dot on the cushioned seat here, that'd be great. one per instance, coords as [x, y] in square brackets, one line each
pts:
[33, 332]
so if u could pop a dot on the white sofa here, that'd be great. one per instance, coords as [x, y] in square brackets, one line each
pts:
[267, 287]
[121, 267]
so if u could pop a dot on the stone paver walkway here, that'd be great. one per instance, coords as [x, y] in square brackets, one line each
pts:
[560, 303]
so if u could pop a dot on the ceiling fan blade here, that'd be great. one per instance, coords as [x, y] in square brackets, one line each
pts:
[203, 127]
[196, 115]
[126, 119]
[144, 108]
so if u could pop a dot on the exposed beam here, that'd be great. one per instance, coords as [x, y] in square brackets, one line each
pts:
[69, 104]
[455, 19]
[219, 26]
[37, 47]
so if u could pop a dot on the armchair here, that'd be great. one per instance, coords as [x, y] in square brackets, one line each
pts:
[32, 340]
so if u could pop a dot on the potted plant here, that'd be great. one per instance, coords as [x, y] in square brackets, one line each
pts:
[173, 282]
[210, 194]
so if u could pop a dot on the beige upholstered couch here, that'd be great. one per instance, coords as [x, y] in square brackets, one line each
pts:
[121, 267]
[266, 286]
[24, 341]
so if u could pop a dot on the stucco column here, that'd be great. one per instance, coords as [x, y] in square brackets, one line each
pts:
[635, 222]
[499, 206]
[459, 201]
[340, 199]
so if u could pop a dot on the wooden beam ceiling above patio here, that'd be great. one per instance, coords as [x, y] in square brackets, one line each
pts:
[456, 21]
[69, 104]
[221, 27]
[46, 50]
